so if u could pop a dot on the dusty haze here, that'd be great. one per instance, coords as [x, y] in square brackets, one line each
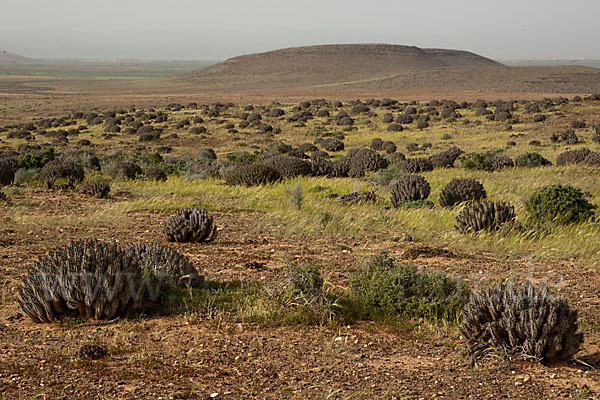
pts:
[188, 29]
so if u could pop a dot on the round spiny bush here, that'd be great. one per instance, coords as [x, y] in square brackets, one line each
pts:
[446, 158]
[307, 147]
[415, 165]
[459, 190]
[359, 197]
[395, 158]
[332, 144]
[592, 160]
[96, 189]
[155, 174]
[572, 156]
[525, 322]
[376, 144]
[128, 170]
[365, 160]
[389, 147]
[500, 161]
[189, 225]
[61, 169]
[166, 265]
[562, 204]
[288, 167]
[252, 174]
[484, 215]
[409, 188]
[87, 278]
[531, 160]
[320, 166]
[340, 168]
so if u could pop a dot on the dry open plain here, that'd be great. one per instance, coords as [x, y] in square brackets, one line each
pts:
[245, 334]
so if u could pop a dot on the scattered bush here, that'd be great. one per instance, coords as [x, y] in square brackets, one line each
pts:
[561, 204]
[95, 189]
[166, 265]
[459, 190]
[288, 167]
[155, 174]
[446, 158]
[189, 225]
[485, 215]
[251, 175]
[386, 290]
[88, 278]
[59, 169]
[531, 160]
[572, 156]
[409, 188]
[365, 160]
[526, 323]
[415, 165]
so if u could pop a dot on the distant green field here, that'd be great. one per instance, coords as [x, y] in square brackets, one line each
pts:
[103, 70]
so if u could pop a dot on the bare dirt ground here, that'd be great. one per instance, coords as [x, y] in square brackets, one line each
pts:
[196, 356]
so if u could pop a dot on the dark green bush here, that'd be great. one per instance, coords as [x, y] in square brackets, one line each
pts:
[386, 290]
[479, 161]
[562, 204]
[37, 158]
[531, 160]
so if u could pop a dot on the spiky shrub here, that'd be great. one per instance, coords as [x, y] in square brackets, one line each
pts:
[531, 160]
[95, 189]
[446, 158]
[376, 144]
[502, 161]
[332, 144]
[389, 147]
[385, 289]
[166, 265]
[340, 168]
[561, 204]
[485, 215]
[288, 167]
[251, 175]
[525, 322]
[189, 225]
[416, 165]
[572, 156]
[409, 188]
[86, 278]
[365, 160]
[155, 174]
[459, 190]
[60, 169]
[358, 197]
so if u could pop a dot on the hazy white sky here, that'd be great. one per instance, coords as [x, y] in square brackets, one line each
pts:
[218, 29]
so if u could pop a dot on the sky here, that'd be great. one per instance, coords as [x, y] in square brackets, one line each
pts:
[219, 29]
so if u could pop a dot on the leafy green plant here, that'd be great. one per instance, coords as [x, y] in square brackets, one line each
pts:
[37, 158]
[386, 290]
[561, 204]
[479, 161]
[531, 160]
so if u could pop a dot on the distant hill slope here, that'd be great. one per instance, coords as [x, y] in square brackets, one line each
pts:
[383, 67]
[12, 58]
[314, 65]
